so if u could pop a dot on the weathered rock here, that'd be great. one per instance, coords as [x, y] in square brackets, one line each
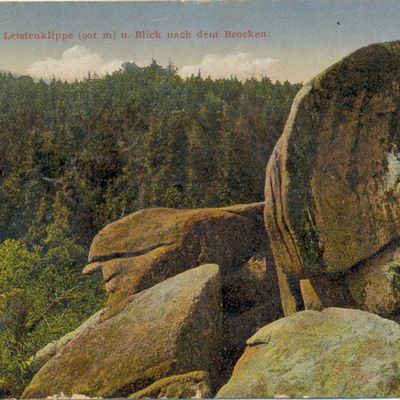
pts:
[169, 329]
[332, 182]
[251, 284]
[138, 254]
[144, 248]
[52, 348]
[191, 385]
[149, 246]
[333, 353]
[375, 284]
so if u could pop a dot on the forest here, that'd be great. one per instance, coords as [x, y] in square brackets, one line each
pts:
[75, 156]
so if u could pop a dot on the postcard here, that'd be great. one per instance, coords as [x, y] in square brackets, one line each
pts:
[200, 199]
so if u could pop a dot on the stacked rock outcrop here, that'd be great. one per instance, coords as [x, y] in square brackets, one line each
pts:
[171, 317]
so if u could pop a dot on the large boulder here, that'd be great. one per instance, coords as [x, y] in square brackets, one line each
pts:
[332, 182]
[170, 329]
[149, 246]
[144, 248]
[333, 353]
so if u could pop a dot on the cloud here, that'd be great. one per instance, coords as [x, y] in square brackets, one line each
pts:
[75, 63]
[242, 65]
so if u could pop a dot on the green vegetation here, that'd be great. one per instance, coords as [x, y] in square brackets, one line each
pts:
[42, 297]
[76, 156]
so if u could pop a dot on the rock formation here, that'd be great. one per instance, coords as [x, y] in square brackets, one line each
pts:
[146, 247]
[332, 186]
[142, 257]
[172, 328]
[333, 353]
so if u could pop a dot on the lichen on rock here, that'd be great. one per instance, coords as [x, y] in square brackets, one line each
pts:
[332, 183]
[333, 353]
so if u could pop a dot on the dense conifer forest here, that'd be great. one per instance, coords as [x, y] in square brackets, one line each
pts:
[76, 156]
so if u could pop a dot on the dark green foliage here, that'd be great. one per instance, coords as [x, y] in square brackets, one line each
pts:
[142, 137]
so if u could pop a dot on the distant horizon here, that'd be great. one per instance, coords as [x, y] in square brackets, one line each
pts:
[286, 40]
[96, 75]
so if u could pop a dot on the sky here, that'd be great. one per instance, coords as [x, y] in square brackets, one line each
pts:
[303, 37]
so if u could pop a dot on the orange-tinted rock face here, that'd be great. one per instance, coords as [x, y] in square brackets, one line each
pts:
[151, 245]
[332, 182]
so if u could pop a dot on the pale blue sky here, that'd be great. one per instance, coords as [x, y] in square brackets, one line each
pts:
[304, 36]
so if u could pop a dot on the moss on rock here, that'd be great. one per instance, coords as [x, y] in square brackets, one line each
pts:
[333, 353]
[333, 180]
[192, 384]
